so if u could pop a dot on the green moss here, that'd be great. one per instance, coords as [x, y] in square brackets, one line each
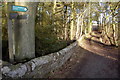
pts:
[15, 66]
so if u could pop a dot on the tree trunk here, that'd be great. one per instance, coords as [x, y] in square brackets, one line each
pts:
[54, 3]
[90, 22]
[72, 35]
[65, 23]
[0, 33]
[82, 27]
[24, 32]
[78, 27]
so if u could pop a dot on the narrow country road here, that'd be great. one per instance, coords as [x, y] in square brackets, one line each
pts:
[101, 63]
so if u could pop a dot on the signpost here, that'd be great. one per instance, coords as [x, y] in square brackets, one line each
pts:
[11, 35]
[19, 8]
[17, 16]
[21, 30]
[11, 40]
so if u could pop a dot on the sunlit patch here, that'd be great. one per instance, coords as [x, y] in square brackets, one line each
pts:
[96, 48]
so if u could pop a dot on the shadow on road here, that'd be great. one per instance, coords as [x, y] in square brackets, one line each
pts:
[90, 60]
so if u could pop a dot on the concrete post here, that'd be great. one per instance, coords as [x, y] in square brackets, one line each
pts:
[24, 32]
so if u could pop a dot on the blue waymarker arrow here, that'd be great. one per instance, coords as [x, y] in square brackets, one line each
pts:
[19, 8]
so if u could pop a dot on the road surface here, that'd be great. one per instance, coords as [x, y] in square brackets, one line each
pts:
[97, 61]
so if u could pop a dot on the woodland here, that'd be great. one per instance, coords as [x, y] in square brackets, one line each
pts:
[58, 24]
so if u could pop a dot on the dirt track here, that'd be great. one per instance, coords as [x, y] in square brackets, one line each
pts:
[97, 61]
